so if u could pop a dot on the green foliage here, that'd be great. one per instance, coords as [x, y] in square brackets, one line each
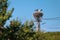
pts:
[4, 16]
[53, 35]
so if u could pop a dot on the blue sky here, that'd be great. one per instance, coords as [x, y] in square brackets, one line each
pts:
[23, 9]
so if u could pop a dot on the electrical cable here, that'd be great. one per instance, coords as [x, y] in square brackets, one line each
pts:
[55, 18]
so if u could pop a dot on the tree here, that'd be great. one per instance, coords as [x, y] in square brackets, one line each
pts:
[12, 29]
[4, 16]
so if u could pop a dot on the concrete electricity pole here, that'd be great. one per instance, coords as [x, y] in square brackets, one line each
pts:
[38, 15]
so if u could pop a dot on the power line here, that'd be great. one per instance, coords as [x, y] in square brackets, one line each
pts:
[55, 18]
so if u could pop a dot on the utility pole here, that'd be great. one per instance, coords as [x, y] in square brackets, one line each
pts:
[38, 15]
